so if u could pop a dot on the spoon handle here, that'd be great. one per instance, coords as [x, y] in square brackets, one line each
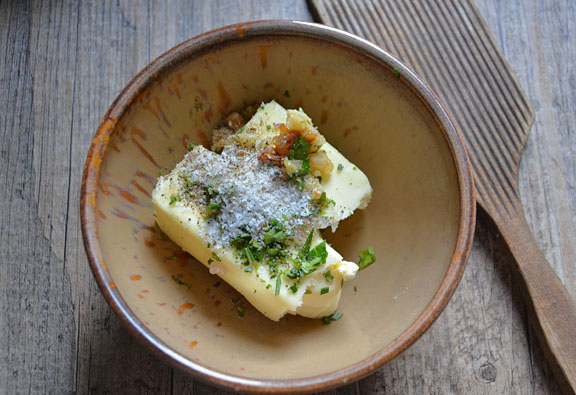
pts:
[553, 310]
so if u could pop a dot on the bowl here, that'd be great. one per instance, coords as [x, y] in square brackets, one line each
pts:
[371, 107]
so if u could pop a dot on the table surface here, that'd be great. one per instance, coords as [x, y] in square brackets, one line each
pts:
[64, 62]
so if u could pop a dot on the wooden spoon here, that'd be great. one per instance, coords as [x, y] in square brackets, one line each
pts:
[448, 44]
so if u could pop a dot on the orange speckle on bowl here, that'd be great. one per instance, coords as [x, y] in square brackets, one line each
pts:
[149, 179]
[314, 70]
[348, 131]
[102, 187]
[185, 140]
[219, 324]
[186, 306]
[112, 285]
[203, 138]
[135, 132]
[140, 188]
[161, 111]
[140, 296]
[101, 214]
[193, 344]
[148, 107]
[179, 312]
[458, 255]
[121, 214]
[324, 117]
[114, 146]
[264, 55]
[161, 304]
[240, 31]
[145, 291]
[208, 114]
[148, 243]
[224, 99]
[128, 196]
[135, 277]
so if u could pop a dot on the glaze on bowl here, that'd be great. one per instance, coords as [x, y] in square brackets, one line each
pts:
[369, 106]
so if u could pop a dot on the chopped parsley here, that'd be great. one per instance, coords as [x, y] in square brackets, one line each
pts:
[367, 257]
[397, 72]
[324, 201]
[240, 311]
[190, 147]
[173, 199]
[215, 256]
[340, 167]
[334, 317]
[276, 235]
[354, 168]
[324, 290]
[180, 282]
[286, 93]
[300, 149]
[328, 276]
[294, 287]
[355, 288]
[278, 285]
[213, 210]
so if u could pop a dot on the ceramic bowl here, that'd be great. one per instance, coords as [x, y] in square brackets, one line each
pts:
[375, 111]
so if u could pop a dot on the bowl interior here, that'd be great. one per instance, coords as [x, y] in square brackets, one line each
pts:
[365, 110]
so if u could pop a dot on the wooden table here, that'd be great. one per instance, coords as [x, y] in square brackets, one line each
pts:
[63, 63]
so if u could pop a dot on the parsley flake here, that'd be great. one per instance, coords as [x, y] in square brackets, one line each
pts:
[180, 282]
[367, 257]
[334, 317]
[324, 290]
[340, 167]
[278, 284]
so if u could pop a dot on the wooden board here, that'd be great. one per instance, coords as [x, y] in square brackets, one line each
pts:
[62, 65]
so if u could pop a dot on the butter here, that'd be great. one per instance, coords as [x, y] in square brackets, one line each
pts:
[207, 188]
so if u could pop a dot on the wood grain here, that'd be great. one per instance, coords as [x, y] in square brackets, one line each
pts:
[64, 62]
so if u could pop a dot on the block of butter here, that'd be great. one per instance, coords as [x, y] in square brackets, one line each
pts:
[251, 209]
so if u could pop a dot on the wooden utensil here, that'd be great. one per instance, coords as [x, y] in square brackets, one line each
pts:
[448, 44]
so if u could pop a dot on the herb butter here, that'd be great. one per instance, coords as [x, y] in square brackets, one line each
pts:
[251, 208]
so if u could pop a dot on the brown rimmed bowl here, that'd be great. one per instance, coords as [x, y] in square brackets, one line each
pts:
[375, 111]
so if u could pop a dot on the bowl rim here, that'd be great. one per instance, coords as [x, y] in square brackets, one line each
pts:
[195, 47]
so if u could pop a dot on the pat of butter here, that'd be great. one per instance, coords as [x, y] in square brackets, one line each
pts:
[318, 293]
